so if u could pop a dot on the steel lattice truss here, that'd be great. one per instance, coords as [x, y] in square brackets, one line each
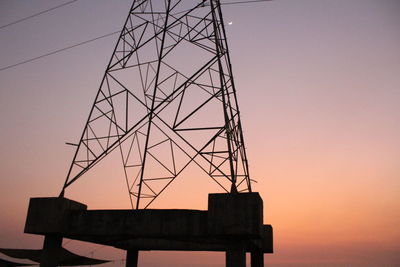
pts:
[167, 100]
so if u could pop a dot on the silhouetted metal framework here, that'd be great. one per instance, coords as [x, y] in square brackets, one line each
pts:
[167, 100]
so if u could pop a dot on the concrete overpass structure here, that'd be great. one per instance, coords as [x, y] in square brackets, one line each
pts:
[233, 223]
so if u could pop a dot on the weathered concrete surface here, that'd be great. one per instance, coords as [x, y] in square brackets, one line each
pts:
[138, 223]
[230, 217]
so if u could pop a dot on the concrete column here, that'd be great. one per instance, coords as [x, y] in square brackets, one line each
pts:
[235, 256]
[51, 250]
[132, 258]
[257, 259]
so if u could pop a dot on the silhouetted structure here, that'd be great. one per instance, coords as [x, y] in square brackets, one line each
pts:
[167, 100]
[232, 223]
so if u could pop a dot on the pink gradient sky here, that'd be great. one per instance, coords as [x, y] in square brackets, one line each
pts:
[319, 91]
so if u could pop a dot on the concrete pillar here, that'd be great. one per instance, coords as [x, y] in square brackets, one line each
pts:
[235, 256]
[132, 258]
[257, 259]
[51, 250]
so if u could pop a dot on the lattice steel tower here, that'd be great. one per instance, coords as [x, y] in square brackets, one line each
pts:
[167, 100]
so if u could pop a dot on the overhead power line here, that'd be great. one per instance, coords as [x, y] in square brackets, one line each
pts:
[91, 40]
[37, 14]
[70, 2]
[241, 2]
[244, 2]
[58, 51]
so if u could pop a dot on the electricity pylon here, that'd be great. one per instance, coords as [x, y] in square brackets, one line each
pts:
[167, 100]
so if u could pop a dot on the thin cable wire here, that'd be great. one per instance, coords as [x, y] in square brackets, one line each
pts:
[244, 2]
[58, 51]
[94, 39]
[240, 2]
[37, 14]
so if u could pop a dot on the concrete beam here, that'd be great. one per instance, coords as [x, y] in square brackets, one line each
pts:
[205, 243]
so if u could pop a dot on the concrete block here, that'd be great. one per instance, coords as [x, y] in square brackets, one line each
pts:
[49, 215]
[238, 214]
[267, 239]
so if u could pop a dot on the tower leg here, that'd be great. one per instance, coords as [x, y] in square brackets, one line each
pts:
[132, 258]
[235, 256]
[257, 259]
[51, 250]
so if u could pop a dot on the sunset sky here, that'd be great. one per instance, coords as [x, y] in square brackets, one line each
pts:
[318, 83]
